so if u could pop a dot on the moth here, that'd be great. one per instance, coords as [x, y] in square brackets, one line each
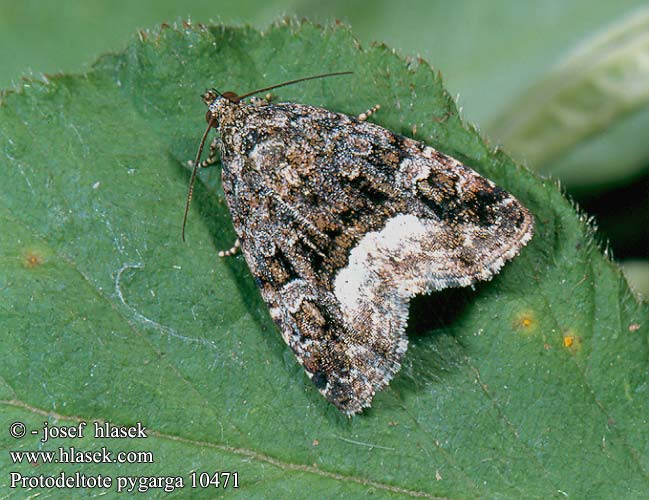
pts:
[342, 221]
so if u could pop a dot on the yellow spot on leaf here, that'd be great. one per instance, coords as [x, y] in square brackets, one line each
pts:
[526, 321]
[571, 341]
[32, 259]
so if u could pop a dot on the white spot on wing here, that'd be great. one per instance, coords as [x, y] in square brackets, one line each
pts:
[400, 236]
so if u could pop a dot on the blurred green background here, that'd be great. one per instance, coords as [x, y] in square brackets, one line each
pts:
[563, 85]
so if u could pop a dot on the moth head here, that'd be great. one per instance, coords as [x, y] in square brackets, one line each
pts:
[211, 96]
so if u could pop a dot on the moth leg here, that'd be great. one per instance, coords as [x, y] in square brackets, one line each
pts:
[364, 116]
[212, 158]
[232, 251]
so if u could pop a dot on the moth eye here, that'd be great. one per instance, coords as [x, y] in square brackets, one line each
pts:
[231, 96]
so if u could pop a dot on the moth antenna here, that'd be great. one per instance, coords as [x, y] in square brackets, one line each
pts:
[291, 82]
[190, 193]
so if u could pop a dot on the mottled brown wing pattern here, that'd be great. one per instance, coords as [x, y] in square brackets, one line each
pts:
[342, 221]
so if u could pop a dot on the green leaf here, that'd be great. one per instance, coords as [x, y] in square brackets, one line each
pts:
[533, 385]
